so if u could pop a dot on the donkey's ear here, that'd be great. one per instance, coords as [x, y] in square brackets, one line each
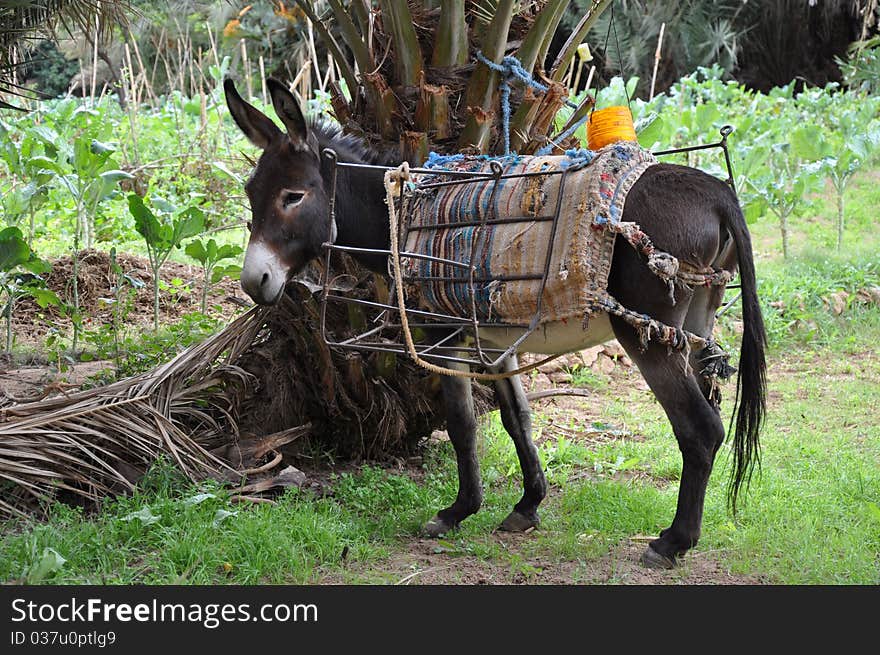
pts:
[257, 127]
[289, 112]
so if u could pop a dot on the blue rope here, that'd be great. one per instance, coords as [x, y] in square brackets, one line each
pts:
[510, 69]
[546, 150]
[436, 160]
[443, 162]
[577, 157]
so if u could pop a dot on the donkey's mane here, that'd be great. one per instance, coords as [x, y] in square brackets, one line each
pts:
[348, 147]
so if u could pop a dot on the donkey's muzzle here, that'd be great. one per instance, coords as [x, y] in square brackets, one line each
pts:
[264, 275]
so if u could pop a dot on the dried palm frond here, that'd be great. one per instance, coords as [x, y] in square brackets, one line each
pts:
[25, 21]
[21, 18]
[222, 408]
[99, 442]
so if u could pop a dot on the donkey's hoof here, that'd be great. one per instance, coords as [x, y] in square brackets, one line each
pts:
[651, 559]
[437, 527]
[516, 522]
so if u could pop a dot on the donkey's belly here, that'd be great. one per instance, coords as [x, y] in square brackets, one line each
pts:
[554, 338]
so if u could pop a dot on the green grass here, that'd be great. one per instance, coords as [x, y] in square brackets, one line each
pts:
[808, 517]
[811, 516]
[797, 299]
[860, 240]
[587, 377]
[183, 534]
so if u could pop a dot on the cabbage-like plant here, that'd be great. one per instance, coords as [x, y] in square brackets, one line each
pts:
[20, 276]
[209, 255]
[162, 236]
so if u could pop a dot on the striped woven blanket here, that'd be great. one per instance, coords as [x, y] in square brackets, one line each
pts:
[505, 228]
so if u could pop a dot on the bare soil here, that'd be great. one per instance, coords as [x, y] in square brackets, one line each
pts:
[96, 283]
[29, 375]
[421, 564]
[30, 383]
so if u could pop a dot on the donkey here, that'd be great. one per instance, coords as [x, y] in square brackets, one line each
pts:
[688, 214]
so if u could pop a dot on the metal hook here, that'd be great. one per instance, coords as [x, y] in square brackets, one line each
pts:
[331, 156]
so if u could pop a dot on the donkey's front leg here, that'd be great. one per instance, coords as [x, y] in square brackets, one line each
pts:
[461, 424]
[517, 420]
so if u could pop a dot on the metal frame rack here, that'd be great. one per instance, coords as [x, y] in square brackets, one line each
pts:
[459, 341]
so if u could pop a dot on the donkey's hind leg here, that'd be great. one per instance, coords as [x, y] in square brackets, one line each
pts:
[698, 430]
[517, 420]
[461, 425]
[709, 364]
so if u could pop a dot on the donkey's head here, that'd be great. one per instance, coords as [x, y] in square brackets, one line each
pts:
[289, 204]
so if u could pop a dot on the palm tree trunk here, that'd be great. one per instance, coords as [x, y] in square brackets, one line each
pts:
[420, 86]
[481, 100]
[451, 42]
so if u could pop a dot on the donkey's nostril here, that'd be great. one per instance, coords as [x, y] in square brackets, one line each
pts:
[264, 279]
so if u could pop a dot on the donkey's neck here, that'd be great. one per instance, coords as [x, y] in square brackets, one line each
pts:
[361, 214]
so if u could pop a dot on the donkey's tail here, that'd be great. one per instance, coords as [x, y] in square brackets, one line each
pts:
[750, 406]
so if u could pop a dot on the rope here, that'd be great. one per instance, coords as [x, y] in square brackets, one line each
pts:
[510, 69]
[649, 329]
[546, 150]
[436, 160]
[577, 158]
[444, 162]
[394, 179]
[612, 25]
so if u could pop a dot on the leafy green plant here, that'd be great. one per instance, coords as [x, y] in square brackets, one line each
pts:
[90, 175]
[85, 166]
[175, 288]
[47, 564]
[843, 147]
[109, 338]
[782, 185]
[209, 255]
[19, 276]
[861, 69]
[163, 236]
[29, 181]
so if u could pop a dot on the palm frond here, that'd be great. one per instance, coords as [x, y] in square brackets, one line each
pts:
[227, 409]
[22, 22]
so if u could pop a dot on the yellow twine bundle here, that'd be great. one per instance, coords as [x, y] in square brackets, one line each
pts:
[608, 126]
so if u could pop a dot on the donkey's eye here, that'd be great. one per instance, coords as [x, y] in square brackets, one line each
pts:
[292, 198]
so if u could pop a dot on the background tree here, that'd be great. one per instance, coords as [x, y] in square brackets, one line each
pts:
[762, 43]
